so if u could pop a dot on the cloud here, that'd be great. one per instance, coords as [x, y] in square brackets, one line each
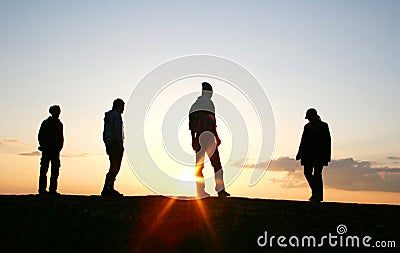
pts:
[349, 174]
[345, 174]
[279, 164]
[75, 155]
[33, 153]
[396, 158]
[4, 141]
[240, 163]
[37, 153]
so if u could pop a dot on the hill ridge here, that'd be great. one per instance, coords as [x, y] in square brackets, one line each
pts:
[160, 224]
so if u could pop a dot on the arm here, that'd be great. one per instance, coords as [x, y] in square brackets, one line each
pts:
[62, 136]
[217, 138]
[193, 121]
[195, 141]
[41, 136]
[118, 129]
[301, 147]
[328, 144]
[214, 127]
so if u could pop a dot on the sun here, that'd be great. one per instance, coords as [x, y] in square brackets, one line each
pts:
[186, 174]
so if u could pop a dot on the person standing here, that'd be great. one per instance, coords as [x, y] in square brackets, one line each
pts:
[205, 139]
[51, 141]
[113, 137]
[315, 152]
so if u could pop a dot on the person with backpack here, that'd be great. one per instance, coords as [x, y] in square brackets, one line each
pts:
[113, 137]
[205, 139]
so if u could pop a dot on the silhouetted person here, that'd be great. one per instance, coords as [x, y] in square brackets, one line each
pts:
[51, 141]
[315, 152]
[113, 137]
[203, 127]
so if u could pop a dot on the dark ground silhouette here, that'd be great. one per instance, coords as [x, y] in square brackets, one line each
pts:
[159, 224]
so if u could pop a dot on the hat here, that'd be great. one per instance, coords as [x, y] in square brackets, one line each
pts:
[311, 112]
[207, 86]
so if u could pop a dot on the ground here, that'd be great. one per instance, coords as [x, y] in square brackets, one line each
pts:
[69, 223]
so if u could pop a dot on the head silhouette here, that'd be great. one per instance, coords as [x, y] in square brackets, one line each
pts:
[119, 105]
[207, 90]
[55, 111]
[206, 86]
[312, 114]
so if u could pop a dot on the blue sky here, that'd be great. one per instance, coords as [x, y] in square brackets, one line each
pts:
[341, 57]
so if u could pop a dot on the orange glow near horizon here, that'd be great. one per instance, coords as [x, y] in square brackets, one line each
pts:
[152, 227]
[204, 213]
[85, 176]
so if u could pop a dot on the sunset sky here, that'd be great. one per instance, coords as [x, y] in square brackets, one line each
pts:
[341, 57]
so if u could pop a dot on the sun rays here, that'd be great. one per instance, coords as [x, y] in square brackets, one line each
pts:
[192, 221]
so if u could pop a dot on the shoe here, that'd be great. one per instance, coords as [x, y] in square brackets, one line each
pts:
[203, 194]
[116, 193]
[223, 194]
[43, 193]
[200, 186]
[53, 193]
[315, 199]
[111, 193]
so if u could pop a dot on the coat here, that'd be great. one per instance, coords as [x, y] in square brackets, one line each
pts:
[315, 145]
[202, 114]
[113, 128]
[51, 134]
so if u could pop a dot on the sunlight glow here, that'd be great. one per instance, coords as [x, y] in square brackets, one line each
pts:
[204, 213]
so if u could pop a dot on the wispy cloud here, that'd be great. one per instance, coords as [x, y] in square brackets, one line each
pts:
[346, 174]
[33, 153]
[75, 155]
[396, 158]
[4, 141]
[37, 153]
[279, 164]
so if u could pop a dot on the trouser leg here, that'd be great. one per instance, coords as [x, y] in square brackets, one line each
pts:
[44, 167]
[308, 173]
[318, 184]
[218, 172]
[115, 157]
[200, 184]
[55, 170]
[199, 165]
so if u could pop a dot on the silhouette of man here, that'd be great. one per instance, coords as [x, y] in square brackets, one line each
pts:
[315, 152]
[113, 137]
[203, 127]
[51, 141]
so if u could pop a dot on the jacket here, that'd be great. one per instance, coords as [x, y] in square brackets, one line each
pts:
[113, 128]
[51, 134]
[202, 114]
[315, 145]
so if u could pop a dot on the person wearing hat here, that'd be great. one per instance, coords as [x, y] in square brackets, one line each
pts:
[205, 139]
[315, 152]
[51, 141]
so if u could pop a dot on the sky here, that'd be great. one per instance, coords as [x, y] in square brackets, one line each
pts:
[341, 57]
